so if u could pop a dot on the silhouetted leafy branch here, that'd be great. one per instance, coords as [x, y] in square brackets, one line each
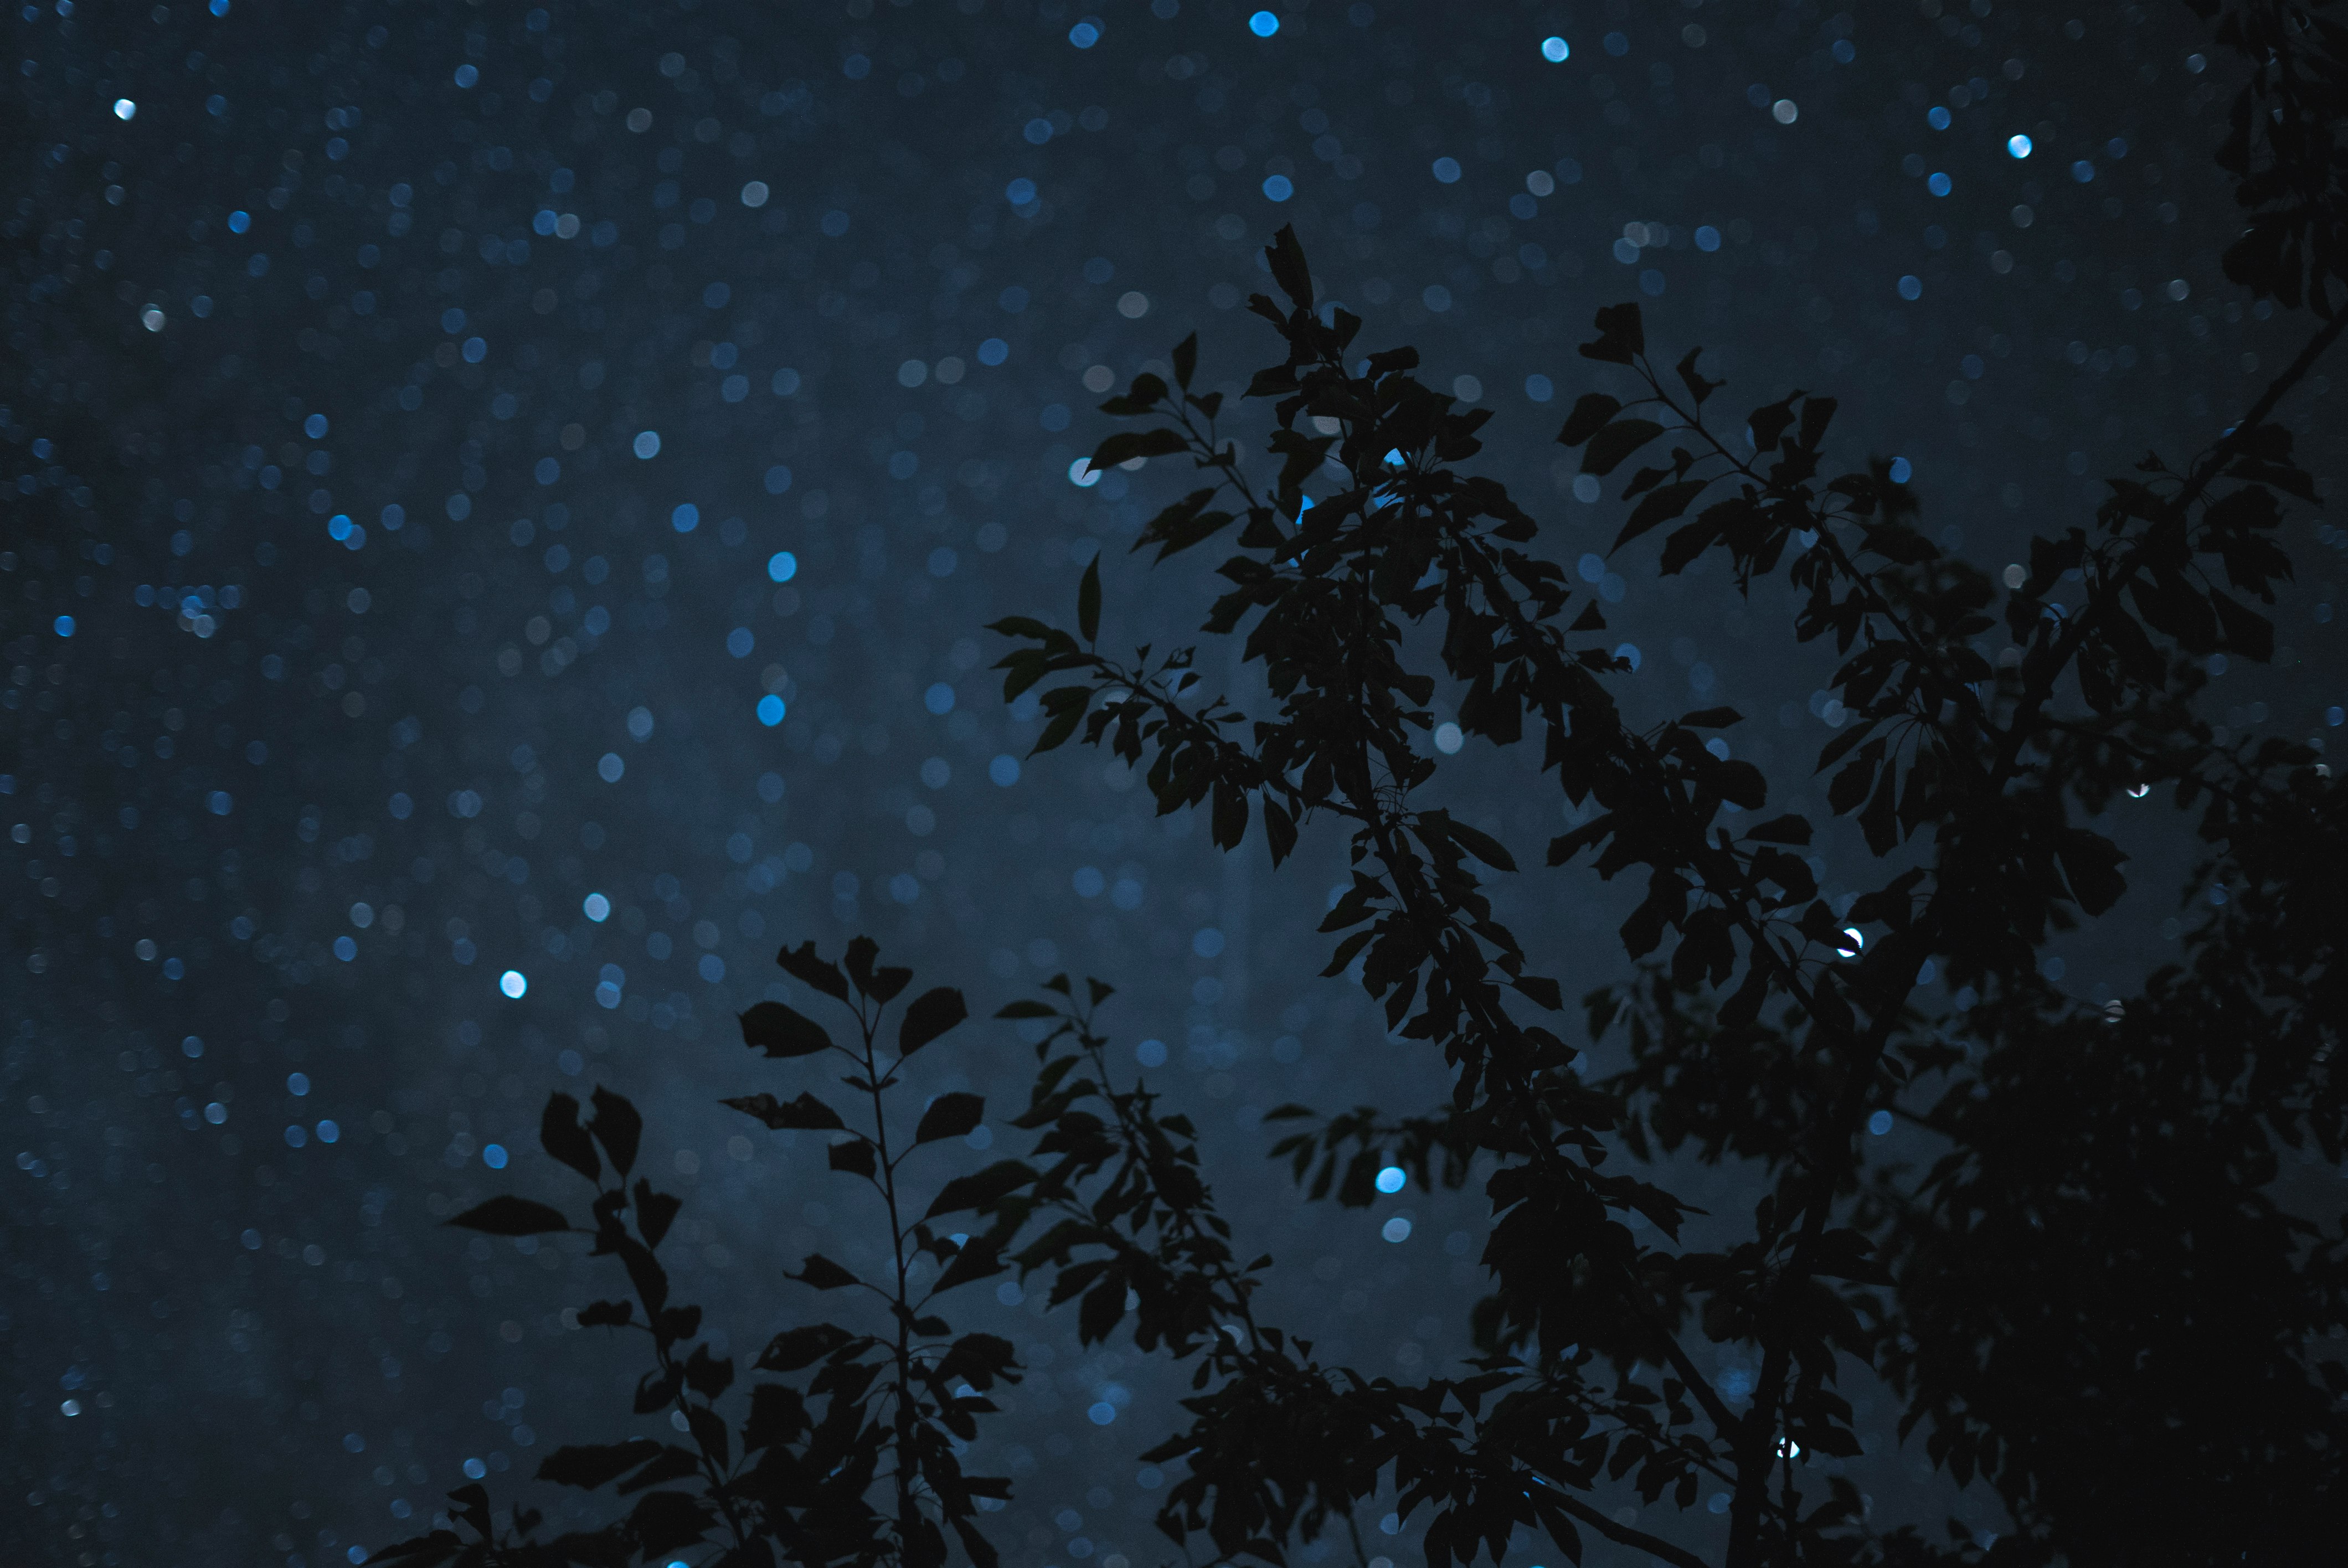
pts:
[2105, 1201]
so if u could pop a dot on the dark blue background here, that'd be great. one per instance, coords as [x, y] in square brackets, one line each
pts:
[331, 351]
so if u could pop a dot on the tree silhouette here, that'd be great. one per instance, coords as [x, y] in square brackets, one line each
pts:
[2103, 1297]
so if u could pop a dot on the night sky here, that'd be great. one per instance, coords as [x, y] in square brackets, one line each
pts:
[501, 507]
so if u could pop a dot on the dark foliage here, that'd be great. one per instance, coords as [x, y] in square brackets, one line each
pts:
[2102, 1296]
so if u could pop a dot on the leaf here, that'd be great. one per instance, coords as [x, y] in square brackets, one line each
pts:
[655, 1211]
[1590, 412]
[794, 1348]
[854, 1156]
[1712, 719]
[982, 1189]
[1024, 1010]
[1615, 442]
[1278, 830]
[596, 1465]
[782, 1032]
[561, 1135]
[671, 1463]
[949, 1116]
[801, 964]
[1125, 446]
[2248, 633]
[1817, 413]
[1539, 987]
[1621, 337]
[1659, 505]
[1229, 816]
[822, 1273]
[665, 1521]
[707, 1375]
[881, 983]
[1787, 829]
[1286, 259]
[1481, 845]
[1186, 360]
[1089, 600]
[1698, 388]
[2091, 865]
[806, 1114]
[607, 1314]
[509, 1216]
[930, 1015]
[617, 1126]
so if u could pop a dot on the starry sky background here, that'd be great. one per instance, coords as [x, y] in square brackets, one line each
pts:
[496, 491]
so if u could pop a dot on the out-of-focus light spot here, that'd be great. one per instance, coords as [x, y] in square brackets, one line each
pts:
[239, 222]
[467, 76]
[297, 1084]
[939, 698]
[1448, 738]
[782, 566]
[2017, 146]
[596, 908]
[755, 193]
[1446, 171]
[684, 518]
[1084, 34]
[1879, 1123]
[1207, 942]
[2083, 171]
[1397, 1229]
[1707, 238]
[1081, 474]
[1785, 111]
[994, 350]
[1004, 770]
[1937, 116]
[1911, 287]
[647, 444]
[1901, 469]
[740, 641]
[124, 108]
[1938, 184]
[1279, 188]
[1263, 23]
[771, 710]
[1100, 1413]
[1556, 50]
[514, 983]
[611, 767]
[63, 626]
[346, 948]
[329, 1131]
[1540, 388]
[1019, 192]
[1391, 1179]
[1151, 1053]
[493, 1155]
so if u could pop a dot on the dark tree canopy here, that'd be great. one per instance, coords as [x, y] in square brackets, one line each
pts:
[2104, 1294]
